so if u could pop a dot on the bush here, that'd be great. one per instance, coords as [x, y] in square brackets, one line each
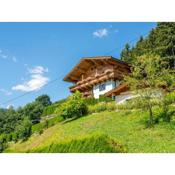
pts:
[165, 112]
[93, 101]
[37, 127]
[55, 120]
[111, 106]
[100, 107]
[46, 124]
[75, 106]
[49, 110]
[14, 137]
[3, 142]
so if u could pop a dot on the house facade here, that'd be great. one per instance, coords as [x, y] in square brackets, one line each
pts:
[103, 75]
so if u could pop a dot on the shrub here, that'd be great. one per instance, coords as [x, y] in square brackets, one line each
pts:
[93, 101]
[14, 137]
[54, 120]
[111, 106]
[37, 128]
[51, 109]
[41, 131]
[165, 112]
[3, 142]
[75, 106]
[103, 98]
[100, 107]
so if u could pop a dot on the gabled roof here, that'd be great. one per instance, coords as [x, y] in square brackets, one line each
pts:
[87, 62]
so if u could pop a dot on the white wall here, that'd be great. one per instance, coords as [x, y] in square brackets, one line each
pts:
[123, 97]
[109, 86]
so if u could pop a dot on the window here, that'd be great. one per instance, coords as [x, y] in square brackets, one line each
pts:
[102, 87]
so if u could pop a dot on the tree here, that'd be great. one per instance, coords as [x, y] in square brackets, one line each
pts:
[75, 106]
[44, 100]
[126, 54]
[150, 79]
[23, 130]
[33, 111]
[160, 41]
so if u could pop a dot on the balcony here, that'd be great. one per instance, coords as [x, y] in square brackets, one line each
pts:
[89, 82]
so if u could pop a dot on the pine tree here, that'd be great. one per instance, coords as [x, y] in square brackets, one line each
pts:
[126, 54]
[160, 41]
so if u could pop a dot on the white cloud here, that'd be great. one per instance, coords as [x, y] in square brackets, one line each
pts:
[6, 92]
[36, 82]
[100, 33]
[38, 70]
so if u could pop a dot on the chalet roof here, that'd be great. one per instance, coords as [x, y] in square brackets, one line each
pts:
[87, 62]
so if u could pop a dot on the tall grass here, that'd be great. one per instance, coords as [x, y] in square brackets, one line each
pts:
[91, 144]
[100, 107]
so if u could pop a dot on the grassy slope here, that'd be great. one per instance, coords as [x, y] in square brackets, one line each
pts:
[125, 128]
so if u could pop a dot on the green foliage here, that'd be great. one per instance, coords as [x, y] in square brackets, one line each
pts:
[150, 79]
[14, 137]
[100, 107]
[165, 111]
[42, 125]
[3, 142]
[75, 106]
[160, 41]
[126, 54]
[23, 131]
[93, 101]
[44, 100]
[91, 144]
[33, 111]
[49, 110]
[8, 120]
[36, 128]
[124, 127]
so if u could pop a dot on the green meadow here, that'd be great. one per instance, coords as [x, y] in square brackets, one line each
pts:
[119, 131]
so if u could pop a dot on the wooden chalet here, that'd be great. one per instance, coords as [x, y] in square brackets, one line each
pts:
[95, 76]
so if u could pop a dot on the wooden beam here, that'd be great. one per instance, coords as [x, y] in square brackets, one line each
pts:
[81, 69]
[74, 78]
[104, 61]
[89, 62]
[97, 62]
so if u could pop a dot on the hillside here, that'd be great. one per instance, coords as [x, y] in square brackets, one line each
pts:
[122, 131]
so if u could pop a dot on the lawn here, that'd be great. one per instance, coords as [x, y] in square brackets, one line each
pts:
[125, 128]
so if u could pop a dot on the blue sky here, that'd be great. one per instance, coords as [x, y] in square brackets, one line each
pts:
[33, 54]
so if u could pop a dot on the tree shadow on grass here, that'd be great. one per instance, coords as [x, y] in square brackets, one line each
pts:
[69, 120]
